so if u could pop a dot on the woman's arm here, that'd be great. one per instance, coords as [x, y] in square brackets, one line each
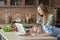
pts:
[50, 20]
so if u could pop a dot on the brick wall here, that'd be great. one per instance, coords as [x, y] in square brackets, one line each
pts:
[16, 12]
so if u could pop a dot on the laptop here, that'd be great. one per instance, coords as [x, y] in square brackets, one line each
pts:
[20, 28]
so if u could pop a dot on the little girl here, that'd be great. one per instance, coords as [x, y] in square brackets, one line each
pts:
[36, 30]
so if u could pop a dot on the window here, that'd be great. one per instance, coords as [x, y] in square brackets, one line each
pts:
[45, 2]
[3, 2]
[18, 2]
[15, 2]
[12, 2]
[30, 2]
[58, 18]
[58, 13]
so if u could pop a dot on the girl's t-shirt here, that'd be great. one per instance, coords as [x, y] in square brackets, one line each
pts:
[52, 30]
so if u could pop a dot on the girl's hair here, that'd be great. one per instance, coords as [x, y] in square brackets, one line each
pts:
[38, 25]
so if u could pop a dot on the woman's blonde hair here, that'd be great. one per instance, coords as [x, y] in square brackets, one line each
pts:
[45, 10]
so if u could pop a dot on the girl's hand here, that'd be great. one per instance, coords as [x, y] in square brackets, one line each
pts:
[33, 34]
[43, 34]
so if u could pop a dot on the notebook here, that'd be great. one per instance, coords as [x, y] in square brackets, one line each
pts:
[20, 28]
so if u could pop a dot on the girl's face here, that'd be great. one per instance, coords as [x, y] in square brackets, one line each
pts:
[40, 11]
[37, 29]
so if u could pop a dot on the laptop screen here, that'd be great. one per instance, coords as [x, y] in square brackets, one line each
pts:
[20, 27]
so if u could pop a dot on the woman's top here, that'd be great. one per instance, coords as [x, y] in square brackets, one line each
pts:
[50, 20]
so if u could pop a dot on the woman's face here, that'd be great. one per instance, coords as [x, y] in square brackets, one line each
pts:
[40, 11]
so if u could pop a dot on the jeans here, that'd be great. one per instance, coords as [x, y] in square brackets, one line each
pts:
[58, 38]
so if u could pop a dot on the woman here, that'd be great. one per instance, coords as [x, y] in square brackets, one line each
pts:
[47, 21]
[45, 18]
